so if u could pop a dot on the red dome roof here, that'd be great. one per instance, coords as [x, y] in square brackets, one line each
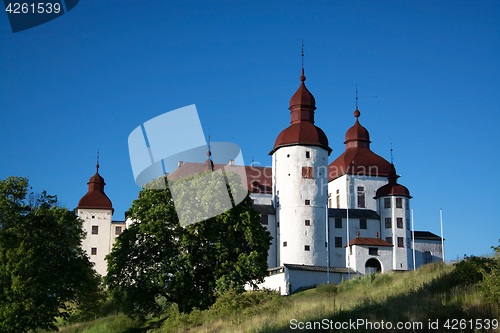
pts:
[302, 133]
[302, 96]
[358, 159]
[393, 188]
[357, 135]
[302, 130]
[95, 197]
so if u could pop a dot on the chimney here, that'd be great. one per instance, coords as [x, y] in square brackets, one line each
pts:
[358, 233]
[179, 164]
[376, 235]
[231, 162]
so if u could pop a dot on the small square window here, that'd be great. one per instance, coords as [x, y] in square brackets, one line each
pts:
[93, 251]
[277, 224]
[284, 244]
[118, 230]
[307, 248]
[95, 230]
[401, 242]
[400, 222]
[399, 202]
[93, 216]
[388, 223]
[307, 202]
[307, 154]
[373, 251]
[362, 224]
[264, 219]
[307, 172]
[308, 222]
[387, 202]
[338, 191]
[361, 188]
[338, 223]
[388, 240]
[338, 241]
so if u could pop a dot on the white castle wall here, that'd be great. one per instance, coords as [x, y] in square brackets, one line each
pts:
[370, 184]
[360, 255]
[402, 256]
[103, 240]
[291, 191]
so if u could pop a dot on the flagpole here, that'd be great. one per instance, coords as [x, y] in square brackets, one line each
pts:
[347, 211]
[442, 239]
[327, 243]
[413, 238]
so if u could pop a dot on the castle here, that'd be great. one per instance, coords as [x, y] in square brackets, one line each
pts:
[328, 221]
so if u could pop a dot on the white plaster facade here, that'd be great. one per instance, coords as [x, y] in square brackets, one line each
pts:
[301, 203]
[100, 232]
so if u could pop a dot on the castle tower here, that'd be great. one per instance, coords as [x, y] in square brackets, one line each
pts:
[355, 176]
[96, 210]
[300, 179]
[393, 201]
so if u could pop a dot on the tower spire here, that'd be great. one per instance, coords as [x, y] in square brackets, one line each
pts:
[357, 96]
[97, 165]
[302, 57]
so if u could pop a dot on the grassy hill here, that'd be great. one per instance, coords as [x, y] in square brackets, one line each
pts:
[431, 295]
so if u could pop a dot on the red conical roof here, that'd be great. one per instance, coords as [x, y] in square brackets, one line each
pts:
[357, 135]
[393, 188]
[302, 129]
[357, 158]
[95, 197]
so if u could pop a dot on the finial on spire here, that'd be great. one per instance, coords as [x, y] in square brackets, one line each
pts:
[97, 165]
[392, 160]
[209, 153]
[357, 113]
[357, 96]
[302, 54]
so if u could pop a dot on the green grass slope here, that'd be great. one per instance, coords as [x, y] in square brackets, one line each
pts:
[435, 293]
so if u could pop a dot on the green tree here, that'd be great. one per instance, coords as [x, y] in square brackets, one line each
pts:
[44, 273]
[157, 259]
[491, 278]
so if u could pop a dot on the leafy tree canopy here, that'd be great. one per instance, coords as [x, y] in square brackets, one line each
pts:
[156, 259]
[44, 273]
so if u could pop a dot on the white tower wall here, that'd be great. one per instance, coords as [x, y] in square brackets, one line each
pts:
[292, 190]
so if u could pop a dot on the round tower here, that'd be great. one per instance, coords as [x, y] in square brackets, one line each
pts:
[300, 178]
[393, 202]
[96, 211]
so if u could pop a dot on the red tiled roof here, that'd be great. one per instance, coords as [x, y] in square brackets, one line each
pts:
[261, 175]
[359, 161]
[392, 188]
[369, 241]
[302, 130]
[302, 133]
[95, 197]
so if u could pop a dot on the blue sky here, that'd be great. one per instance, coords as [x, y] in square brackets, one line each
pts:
[427, 74]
